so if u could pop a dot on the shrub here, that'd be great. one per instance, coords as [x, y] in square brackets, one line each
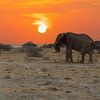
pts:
[33, 51]
[5, 47]
[28, 44]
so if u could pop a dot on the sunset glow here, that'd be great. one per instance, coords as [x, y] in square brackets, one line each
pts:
[20, 20]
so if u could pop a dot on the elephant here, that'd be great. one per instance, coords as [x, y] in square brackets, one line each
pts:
[73, 41]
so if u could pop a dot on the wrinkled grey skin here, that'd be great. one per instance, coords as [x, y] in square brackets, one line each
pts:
[79, 42]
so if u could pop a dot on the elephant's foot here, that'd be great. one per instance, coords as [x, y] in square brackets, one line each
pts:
[70, 62]
[81, 61]
[67, 60]
[91, 61]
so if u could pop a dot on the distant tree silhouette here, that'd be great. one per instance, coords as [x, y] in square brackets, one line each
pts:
[5, 47]
[29, 44]
[97, 45]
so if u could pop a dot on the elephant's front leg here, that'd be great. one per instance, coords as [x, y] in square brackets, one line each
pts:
[69, 57]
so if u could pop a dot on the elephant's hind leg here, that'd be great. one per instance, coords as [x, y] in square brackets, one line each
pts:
[90, 57]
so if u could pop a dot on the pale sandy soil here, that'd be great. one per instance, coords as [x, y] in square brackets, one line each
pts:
[48, 77]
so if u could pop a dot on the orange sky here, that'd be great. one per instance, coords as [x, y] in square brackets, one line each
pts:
[18, 17]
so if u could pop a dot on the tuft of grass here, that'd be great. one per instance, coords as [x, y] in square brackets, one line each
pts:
[33, 51]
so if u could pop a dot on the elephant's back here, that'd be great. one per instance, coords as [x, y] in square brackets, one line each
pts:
[79, 36]
[86, 38]
[80, 41]
[87, 42]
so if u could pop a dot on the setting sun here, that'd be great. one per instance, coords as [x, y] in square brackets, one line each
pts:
[42, 28]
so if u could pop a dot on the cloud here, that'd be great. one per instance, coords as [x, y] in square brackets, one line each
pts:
[95, 4]
[46, 6]
[45, 2]
[40, 18]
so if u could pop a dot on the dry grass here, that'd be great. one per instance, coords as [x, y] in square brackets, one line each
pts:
[48, 77]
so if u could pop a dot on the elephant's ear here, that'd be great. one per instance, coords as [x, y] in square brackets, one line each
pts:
[61, 35]
[58, 39]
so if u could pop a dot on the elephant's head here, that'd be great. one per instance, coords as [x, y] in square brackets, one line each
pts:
[58, 42]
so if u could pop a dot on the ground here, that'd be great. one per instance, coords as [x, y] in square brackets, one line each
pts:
[49, 77]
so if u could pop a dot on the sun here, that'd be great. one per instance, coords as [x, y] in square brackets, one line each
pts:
[42, 28]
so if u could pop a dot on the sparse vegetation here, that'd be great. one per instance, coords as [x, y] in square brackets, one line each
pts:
[5, 47]
[28, 44]
[47, 77]
[48, 45]
[33, 51]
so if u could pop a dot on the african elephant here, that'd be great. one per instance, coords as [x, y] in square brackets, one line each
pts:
[79, 42]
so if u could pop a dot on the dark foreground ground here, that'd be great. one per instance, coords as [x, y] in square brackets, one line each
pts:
[48, 77]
